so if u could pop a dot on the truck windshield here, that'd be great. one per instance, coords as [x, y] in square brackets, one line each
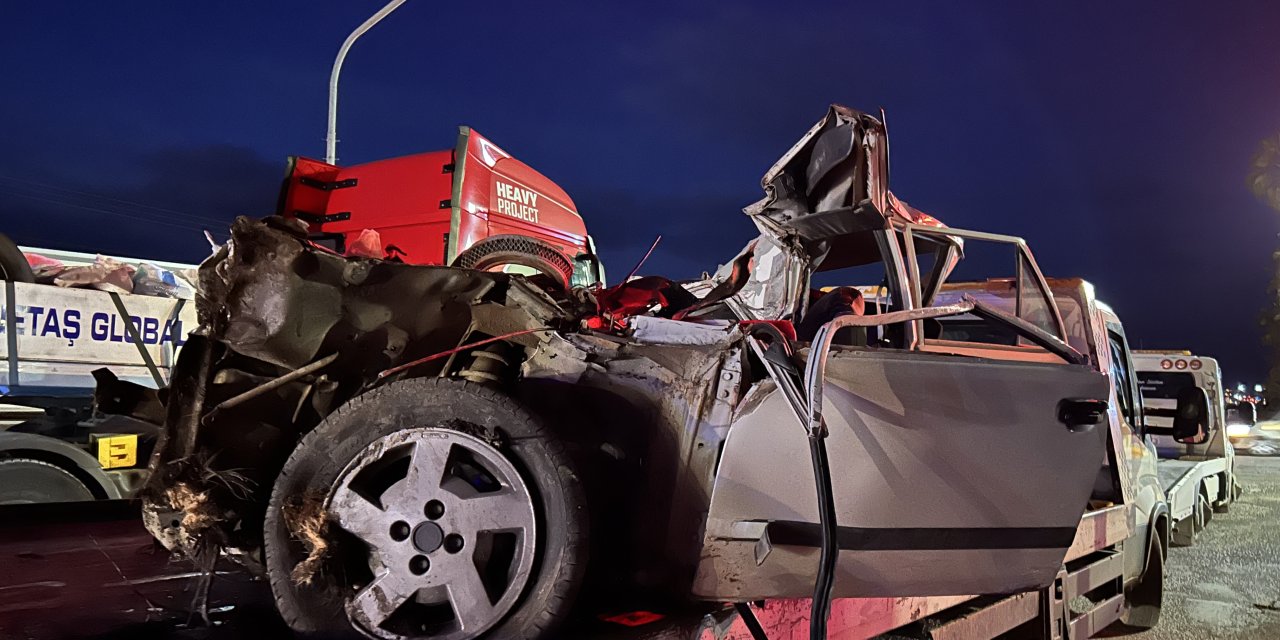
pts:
[1164, 385]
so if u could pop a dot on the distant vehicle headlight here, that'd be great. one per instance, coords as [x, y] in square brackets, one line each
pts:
[1237, 430]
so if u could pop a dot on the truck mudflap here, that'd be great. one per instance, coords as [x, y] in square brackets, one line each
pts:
[939, 488]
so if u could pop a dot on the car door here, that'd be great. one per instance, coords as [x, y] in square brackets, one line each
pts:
[952, 475]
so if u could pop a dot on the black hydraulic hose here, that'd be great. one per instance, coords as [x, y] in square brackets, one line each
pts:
[811, 418]
[826, 581]
[749, 618]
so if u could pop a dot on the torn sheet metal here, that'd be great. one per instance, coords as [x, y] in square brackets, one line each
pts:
[289, 304]
[776, 285]
[832, 182]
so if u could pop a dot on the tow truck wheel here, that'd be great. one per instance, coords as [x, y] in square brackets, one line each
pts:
[27, 481]
[1206, 508]
[429, 509]
[1143, 600]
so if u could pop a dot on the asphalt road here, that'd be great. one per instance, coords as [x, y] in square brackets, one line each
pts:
[1227, 585]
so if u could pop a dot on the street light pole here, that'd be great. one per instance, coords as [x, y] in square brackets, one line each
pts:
[331, 138]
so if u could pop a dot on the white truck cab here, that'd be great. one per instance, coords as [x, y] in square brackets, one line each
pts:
[1198, 476]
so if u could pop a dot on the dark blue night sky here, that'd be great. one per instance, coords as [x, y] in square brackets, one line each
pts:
[1114, 136]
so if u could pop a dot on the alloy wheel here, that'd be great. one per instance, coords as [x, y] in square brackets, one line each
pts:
[450, 532]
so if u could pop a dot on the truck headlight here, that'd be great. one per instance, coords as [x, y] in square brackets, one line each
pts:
[1237, 430]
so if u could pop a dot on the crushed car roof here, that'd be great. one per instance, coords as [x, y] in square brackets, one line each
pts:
[830, 187]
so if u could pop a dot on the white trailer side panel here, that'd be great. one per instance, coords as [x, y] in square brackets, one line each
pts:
[64, 334]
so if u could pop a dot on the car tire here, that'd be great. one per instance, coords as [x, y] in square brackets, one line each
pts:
[30, 481]
[1143, 600]
[447, 409]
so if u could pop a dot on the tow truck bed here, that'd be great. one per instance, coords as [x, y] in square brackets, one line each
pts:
[1091, 563]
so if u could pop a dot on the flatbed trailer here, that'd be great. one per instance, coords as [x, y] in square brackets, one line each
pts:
[1189, 485]
[61, 335]
[52, 340]
[1180, 478]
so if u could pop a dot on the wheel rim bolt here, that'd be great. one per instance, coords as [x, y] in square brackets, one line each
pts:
[434, 509]
[453, 543]
[400, 531]
[419, 565]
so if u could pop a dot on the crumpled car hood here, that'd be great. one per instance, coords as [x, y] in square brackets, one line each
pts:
[271, 296]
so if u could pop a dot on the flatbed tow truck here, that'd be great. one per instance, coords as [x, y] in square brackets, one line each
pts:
[1098, 563]
[1199, 479]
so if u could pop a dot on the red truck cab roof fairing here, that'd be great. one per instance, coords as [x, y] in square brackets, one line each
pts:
[432, 206]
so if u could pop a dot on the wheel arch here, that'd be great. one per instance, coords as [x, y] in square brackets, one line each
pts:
[514, 249]
[65, 456]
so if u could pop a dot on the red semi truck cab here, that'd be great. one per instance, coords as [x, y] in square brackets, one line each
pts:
[472, 206]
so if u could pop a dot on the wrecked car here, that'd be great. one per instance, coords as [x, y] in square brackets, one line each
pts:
[425, 451]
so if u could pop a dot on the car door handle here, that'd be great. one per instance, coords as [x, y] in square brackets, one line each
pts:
[1081, 414]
